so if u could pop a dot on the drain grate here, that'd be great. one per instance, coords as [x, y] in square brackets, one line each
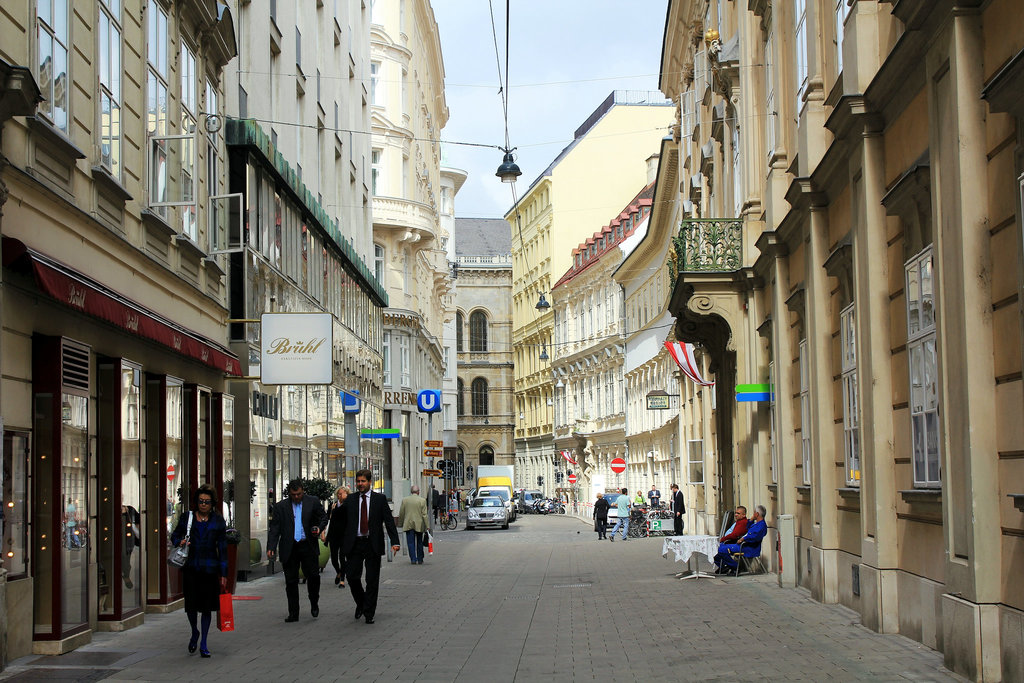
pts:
[573, 585]
[405, 582]
[522, 597]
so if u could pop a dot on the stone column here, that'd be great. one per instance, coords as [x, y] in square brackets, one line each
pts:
[820, 372]
[880, 540]
[963, 263]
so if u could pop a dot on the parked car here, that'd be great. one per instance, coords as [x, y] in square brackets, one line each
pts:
[526, 498]
[485, 511]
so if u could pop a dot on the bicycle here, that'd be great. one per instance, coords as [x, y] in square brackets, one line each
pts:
[448, 520]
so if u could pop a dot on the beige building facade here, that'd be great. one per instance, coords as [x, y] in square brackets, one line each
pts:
[298, 150]
[826, 247]
[588, 357]
[483, 342]
[551, 218]
[408, 112]
[114, 398]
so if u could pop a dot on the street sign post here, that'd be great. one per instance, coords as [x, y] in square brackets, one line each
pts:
[432, 453]
[432, 473]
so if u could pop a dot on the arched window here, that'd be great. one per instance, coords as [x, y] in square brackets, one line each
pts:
[460, 322]
[459, 400]
[486, 455]
[478, 332]
[480, 396]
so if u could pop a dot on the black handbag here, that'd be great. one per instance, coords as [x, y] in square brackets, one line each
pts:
[179, 556]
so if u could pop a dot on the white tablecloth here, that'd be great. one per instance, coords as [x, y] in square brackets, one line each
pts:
[685, 546]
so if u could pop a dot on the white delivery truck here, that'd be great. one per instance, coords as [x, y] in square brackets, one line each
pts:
[496, 480]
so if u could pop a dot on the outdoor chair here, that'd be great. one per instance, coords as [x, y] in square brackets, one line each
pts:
[747, 557]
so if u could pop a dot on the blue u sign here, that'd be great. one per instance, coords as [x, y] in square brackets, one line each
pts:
[349, 401]
[429, 401]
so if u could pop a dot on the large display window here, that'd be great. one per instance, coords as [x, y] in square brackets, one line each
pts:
[61, 538]
[119, 537]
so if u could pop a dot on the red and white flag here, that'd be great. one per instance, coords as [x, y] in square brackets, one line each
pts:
[682, 354]
[565, 454]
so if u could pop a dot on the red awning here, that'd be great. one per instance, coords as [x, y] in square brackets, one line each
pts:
[84, 294]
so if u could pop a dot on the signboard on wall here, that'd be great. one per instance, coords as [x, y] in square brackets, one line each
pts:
[296, 348]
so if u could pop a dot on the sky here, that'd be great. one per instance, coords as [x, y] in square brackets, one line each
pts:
[565, 57]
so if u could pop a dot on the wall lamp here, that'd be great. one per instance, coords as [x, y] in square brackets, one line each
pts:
[543, 304]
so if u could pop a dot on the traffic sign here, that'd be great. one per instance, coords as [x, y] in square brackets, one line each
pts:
[432, 473]
[429, 401]
[170, 473]
[618, 465]
[572, 478]
[433, 453]
[433, 444]
[349, 401]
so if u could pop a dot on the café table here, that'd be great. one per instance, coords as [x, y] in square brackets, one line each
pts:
[684, 547]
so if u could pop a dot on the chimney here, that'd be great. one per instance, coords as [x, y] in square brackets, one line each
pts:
[652, 168]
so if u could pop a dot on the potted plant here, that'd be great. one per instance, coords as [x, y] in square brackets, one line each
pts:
[234, 537]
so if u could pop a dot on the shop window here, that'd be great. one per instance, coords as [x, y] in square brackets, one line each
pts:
[13, 527]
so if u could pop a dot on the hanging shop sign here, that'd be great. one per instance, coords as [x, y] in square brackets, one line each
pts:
[296, 348]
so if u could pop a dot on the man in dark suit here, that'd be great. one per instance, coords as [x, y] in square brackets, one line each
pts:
[365, 516]
[299, 545]
[678, 510]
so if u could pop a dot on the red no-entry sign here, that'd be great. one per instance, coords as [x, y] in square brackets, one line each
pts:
[170, 473]
[618, 465]
[572, 478]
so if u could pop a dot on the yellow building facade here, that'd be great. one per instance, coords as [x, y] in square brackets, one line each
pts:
[605, 160]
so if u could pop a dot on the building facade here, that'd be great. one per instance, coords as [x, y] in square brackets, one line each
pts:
[408, 112]
[115, 399]
[824, 249]
[483, 343]
[557, 212]
[590, 424]
[296, 216]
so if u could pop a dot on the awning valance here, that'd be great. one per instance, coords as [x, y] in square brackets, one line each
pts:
[82, 293]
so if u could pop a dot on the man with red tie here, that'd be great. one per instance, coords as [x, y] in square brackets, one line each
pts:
[365, 516]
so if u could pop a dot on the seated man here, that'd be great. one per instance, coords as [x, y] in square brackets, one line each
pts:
[738, 528]
[756, 531]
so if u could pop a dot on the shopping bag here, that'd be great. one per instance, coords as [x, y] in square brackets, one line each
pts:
[430, 542]
[226, 613]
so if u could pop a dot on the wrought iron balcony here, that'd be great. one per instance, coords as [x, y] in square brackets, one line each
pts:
[708, 245]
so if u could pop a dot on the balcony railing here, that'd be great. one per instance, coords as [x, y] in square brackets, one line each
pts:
[708, 245]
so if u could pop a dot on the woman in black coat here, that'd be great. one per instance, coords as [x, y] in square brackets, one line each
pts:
[204, 576]
[601, 517]
[334, 533]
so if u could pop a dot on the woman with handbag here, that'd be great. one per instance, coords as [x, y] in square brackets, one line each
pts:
[204, 575]
[333, 535]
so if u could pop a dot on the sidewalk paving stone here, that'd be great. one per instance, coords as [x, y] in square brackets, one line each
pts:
[535, 602]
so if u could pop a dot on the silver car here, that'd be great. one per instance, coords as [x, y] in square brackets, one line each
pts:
[486, 511]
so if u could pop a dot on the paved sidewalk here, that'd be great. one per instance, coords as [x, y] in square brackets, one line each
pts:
[544, 600]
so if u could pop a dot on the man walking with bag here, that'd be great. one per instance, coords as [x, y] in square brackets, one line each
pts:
[412, 517]
[366, 514]
[295, 525]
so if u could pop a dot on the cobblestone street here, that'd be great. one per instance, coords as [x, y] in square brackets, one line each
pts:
[541, 601]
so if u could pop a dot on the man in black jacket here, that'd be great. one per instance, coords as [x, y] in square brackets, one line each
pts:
[365, 515]
[678, 510]
[299, 545]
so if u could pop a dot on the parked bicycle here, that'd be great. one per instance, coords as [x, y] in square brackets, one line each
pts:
[448, 520]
